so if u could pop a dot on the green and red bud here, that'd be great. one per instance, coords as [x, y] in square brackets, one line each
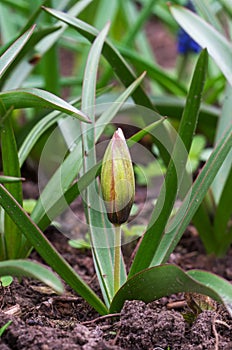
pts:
[117, 179]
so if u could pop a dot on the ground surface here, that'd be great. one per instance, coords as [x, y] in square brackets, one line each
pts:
[45, 321]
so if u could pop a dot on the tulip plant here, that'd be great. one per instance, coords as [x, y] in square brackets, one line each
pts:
[107, 202]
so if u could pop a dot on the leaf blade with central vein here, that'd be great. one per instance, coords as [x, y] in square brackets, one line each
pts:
[27, 98]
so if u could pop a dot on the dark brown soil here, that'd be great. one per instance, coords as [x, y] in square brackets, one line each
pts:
[43, 320]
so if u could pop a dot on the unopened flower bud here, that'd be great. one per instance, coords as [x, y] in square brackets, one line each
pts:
[117, 179]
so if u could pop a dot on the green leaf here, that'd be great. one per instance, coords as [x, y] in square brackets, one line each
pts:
[12, 238]
[117, 62]
[37, 131]
[9, 179]
[156, 282]
[47, 251]
[173, 107]
[41, 46]
[25, 98]
[156, 73]
[208, 13]
[227, 6]
[204, 226]
[222, 218]
[23, 63]
[26, 268]
[205, 35]
[96, 217]
[44, 218]
[5, 281]
[175, 171]
[223, 122]
[21, 5]
[58, 185]
[3, 328]
[9, 56]
[193, 199]
[69, 169]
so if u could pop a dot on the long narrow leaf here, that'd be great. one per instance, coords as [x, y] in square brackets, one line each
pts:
[175, 171]
[42, 46]
[119, 65]
[24, 98]
[9, 56]
[154, 72]
[11, 235]
[43, 219]
[194, 199]
[222, 217]
[47, 251]
[223, 122]
[26, 268]
[96, 217]
[41, 127]
[206, 36]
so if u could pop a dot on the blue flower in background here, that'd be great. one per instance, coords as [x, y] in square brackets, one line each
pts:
[185, 42]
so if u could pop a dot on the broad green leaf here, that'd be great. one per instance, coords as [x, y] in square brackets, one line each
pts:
[175, 171]
[27, 268]
[206, 36]
[24, 98]
[47, 251]
[9, 56]
[193, 199]
[157, 282]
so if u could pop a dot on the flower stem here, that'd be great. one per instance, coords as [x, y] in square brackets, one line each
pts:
[117, 255]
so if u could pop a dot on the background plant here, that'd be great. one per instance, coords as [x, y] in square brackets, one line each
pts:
[148, 278]
[213, 218]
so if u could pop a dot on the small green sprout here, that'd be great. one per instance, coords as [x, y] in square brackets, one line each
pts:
[3, 328]
[5, 281]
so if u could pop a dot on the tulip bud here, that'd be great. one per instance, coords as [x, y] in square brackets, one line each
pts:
[117, 179]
